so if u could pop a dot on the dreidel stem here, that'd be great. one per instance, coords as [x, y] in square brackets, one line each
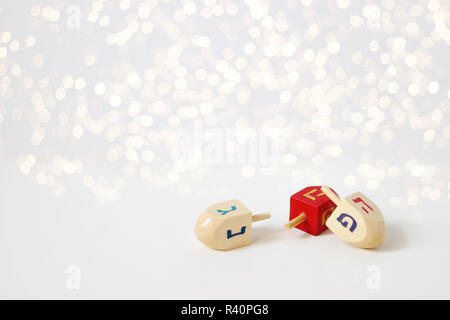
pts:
[296, 221]
[330, 194]
[261, 216]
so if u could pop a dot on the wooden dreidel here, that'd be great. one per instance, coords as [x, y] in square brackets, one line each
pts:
[227, 225]
[309, 210]
[356, 220]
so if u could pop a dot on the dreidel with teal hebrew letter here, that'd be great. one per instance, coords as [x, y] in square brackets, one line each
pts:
[227, 225]
[356, 220]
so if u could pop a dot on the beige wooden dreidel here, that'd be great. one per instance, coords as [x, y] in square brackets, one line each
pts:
[227, 225]
[356, 220]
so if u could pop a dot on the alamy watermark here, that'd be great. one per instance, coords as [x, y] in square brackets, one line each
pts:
[73, 21]
[73, 281]
[214, 146]
[373, 280]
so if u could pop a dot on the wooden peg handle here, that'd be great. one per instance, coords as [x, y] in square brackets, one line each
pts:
[296, 221]
[330, 194]
[261, 216]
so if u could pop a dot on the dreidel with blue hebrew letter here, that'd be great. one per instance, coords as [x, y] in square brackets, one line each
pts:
[356, 220]
[227, 225]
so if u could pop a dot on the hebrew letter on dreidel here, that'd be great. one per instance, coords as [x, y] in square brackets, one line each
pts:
[326, 214]
[345, 223]
[231, 235]
[224, 212]
[356, 200]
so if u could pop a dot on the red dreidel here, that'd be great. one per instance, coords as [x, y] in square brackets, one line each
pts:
[309, 210]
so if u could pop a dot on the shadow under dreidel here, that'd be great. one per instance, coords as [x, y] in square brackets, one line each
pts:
[395, 239]
[262, 234]
[303, 235]
[326, 233]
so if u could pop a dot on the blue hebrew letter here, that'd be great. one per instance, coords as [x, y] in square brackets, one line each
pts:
[230, 235]
[345, 223]
[224, 212]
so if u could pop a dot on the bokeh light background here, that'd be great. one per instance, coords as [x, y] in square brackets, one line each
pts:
[356, 94]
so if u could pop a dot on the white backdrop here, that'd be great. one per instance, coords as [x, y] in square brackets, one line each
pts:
[121, 121]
